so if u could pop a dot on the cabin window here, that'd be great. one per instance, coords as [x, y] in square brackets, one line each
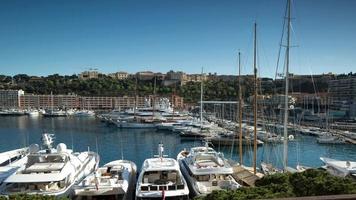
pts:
[161, 177]
[203, 177]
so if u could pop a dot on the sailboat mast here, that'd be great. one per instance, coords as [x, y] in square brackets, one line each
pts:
[240, 111]
[135, 104]
[201, 97]
[255, 101]
[154, 98]
[285, 128]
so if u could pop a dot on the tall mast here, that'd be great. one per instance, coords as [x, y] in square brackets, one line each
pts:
[285, 129]
[201, 98]
[135, 105]
[173, 100]
[240, 111]
[154, 98]
[255, 100]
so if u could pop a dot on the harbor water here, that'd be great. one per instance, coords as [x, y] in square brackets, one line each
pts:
[136, 145]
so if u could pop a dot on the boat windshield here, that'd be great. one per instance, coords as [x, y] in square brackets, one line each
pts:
[55, 158]
[162, 178]
[36, 187]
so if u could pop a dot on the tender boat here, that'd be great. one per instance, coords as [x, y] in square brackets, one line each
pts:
[206, 170]
[339, 167]
[50, 171]
[161, 178]
[115, 179]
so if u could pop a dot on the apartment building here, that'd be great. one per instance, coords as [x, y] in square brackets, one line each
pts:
[10, 98]
[343, 95]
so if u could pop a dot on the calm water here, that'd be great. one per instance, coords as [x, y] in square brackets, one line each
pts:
[137, 145]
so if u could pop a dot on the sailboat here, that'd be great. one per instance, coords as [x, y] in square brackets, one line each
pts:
[54, 113]
[268, 168]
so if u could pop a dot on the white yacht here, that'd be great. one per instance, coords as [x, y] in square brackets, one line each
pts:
[10, 161]
[330, 139]
[115, 179]
[339, 167]
[206, 170]
[55, 113]
[50, 171]
[84, 113]
[32, 113]
[161, 178]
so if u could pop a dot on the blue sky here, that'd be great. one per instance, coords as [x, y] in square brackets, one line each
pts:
[41, 37]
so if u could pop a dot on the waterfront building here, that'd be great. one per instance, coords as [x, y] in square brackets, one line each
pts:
[10, 98]
[49, 101]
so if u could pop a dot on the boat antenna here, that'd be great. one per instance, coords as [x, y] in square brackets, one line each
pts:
[201, 97]
[160, 151]
[255, 100]
[285, 128]
[154, 98]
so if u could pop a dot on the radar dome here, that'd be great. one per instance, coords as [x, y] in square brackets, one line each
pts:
[34, 148]
[61, 148]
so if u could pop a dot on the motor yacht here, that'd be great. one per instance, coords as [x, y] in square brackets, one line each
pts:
[206, 170]
[10, 161]
[161, 178]
[339, 167]
[115, 179]
[84, 113]
[55, 113]
[50, 171]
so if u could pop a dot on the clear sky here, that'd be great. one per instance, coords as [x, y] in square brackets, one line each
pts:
[41, 37]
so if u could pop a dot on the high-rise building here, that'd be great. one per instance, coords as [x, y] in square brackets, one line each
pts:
[343, 95]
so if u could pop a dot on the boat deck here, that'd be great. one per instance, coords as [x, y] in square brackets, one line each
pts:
[245, 176]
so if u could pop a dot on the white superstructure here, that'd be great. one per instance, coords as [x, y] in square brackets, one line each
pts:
[206, 170]
[116, 178]
[10, 161]
[51, 171]
[339, 167]
[161, 178]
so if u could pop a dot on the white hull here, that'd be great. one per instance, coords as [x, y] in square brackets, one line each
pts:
[50, 171]
[339, 167]
[161, 178]
[102, 184]
[206, 170]
[135, 125]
